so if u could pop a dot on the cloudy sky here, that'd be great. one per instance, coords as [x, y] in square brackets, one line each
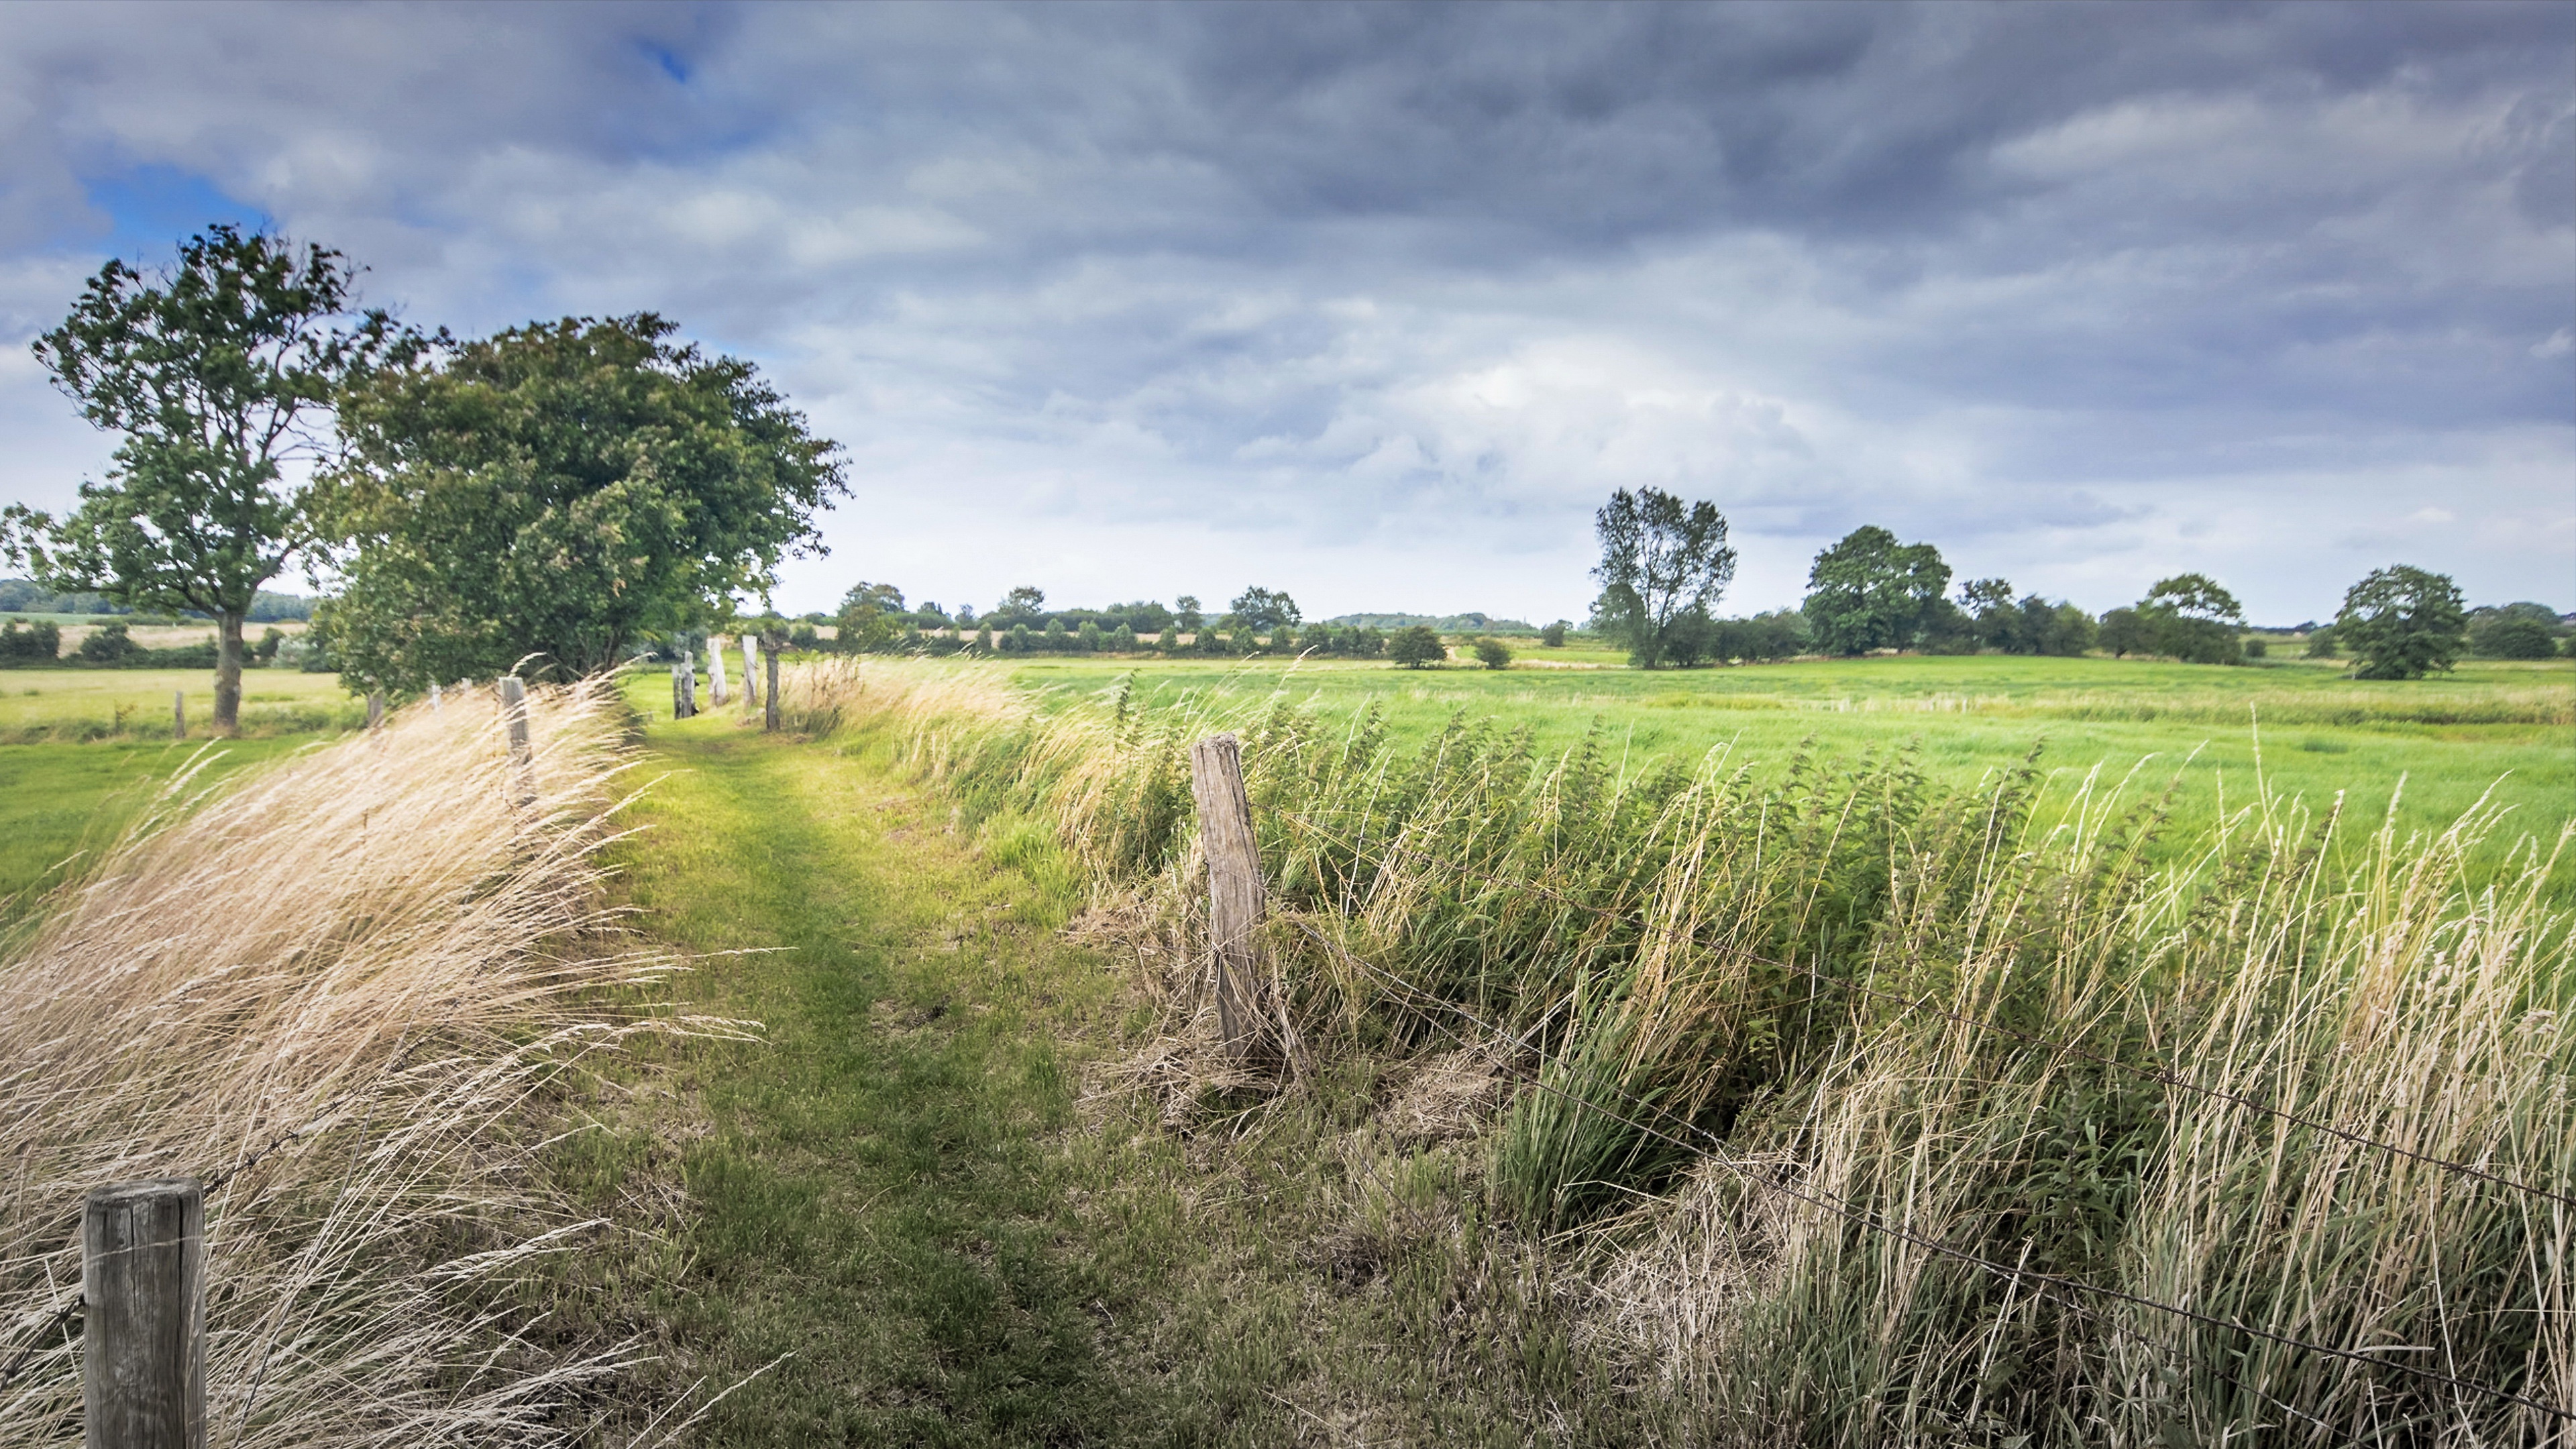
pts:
[1376, 304]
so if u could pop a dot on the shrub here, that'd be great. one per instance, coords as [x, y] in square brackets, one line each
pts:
[39, 643]
[2512, 637]
[110, 645]
[1553, 636]
[1493, 653]
[1415, 646]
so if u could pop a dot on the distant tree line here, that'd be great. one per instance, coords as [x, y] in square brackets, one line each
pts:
[1665, 564]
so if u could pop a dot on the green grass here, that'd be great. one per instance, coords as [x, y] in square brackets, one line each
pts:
[2432, 746]
[93, 704]
[59, 802]
[899, 1198]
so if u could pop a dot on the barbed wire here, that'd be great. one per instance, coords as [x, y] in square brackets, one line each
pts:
[1925, 1004]
[1716, 1151]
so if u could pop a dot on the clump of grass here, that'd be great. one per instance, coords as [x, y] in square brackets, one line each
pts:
[1851, 1076]
[334, 987]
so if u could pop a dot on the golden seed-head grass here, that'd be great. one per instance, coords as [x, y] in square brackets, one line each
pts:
[335, 986]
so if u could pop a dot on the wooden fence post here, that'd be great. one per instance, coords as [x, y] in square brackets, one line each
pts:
[523, 757]
[375, 709]
[1235, 895]
[435, 705]
[143, 1343]
[689, 679]
[770, 721]
[678, 710]
[715, 671]
[750, 670]
[178, 714]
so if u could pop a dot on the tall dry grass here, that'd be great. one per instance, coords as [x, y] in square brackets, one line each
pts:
[334, 988]
[1863, 1098]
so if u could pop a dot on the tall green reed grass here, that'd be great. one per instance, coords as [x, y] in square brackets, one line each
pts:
[1761, 1018]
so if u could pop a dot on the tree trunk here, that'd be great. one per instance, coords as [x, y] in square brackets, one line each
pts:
[228, 657]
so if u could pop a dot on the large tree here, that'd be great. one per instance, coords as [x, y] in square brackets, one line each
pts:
[1664, 566]
[218, 373]
[1869, 591]
[2193, 619]
[550, 494]
[1263, 610]
[2399, 622]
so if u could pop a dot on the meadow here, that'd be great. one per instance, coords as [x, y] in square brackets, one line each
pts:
[1848, 1097]
[2432, 748]
[1620, 1016]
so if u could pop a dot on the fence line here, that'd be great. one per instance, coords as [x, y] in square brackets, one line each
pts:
[2160, 1077]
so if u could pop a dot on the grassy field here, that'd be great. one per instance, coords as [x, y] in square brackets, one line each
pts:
[1671, 1050]
[968, 1184]
[92, 704]
[2433, 746]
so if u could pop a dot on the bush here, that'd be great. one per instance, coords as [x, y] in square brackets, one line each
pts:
[109, 645]
[2321, 643]
[2256, 649]
[2512, 637]
[39, 643]
[1493, 653]
[1415, 647]
[1553, 636]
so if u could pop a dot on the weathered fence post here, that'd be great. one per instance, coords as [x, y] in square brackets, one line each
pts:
[523, 757]
[1234, 888]
[770, 721]
[178, 714]
[435, 706]
[375, 709]
[689, 679]
[750, 670]
[678, 710]
[715, 671]
[143, 1344]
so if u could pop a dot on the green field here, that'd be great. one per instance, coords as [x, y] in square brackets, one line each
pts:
[91, 704]
[2435, 746]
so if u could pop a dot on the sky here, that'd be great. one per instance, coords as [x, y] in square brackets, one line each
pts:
[1377, 304]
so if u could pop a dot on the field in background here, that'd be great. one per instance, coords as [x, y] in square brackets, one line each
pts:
[89, 704]
[2434, 745]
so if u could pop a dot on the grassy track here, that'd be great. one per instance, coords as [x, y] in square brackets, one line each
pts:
[879, 1196]
[898, 1185]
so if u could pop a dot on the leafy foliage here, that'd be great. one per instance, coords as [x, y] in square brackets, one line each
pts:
[1870, 592]
[212, 373]
[1262, 610]
[1664, 566]
[1415, 647]
[2400, 622]
[556, 491]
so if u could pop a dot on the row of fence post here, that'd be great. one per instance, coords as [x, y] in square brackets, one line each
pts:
[684, 680]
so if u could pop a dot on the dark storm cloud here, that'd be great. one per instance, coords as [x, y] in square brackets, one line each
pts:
[2084, 292]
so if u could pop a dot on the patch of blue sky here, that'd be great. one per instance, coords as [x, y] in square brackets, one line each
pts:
[151, 208]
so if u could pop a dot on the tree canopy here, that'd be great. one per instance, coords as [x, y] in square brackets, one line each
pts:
[213, 372]
[1869, 591]
[2400, 621]
[556, 491]
[1262, 610]
[2191, 618]
[1664, 566]
[1415, 647]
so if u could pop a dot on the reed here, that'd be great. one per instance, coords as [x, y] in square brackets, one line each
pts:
[1759, 1021]
[338, 988]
